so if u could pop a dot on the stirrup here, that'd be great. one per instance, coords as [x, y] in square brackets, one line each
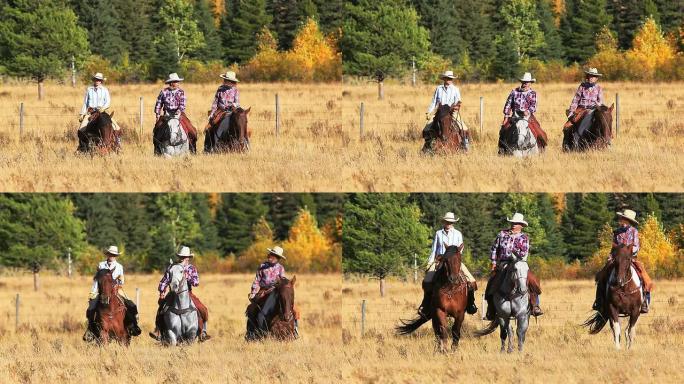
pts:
[536, 311]
[155, 336]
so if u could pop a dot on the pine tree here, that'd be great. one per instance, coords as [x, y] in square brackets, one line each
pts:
[243, 21]
[288, 17]
[209, 239]
[587, 19]
[584, 218]
[235, 218]
[135, 28]
[671, 14]
[553, 46]
[99, 213]
[176, 224]
[331, 14]
[672, 208]
[204, 17]
[627, 17]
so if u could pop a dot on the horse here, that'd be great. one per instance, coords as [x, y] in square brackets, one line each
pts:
[232, 135]
[449, 298]
[623, 298]
[174, 136]
[99, 135]
[511, 301]
[181, 317]
[110, 312]
[445, 134]
[597, 136]
[517, 137]
[281, 323]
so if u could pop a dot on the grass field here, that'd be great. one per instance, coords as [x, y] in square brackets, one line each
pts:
[320, 149]
[556, 348]
[48, 346]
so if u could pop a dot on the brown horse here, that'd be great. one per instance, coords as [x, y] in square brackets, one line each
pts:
[233, 138]
[110, 311]
[444, 134]
[449, 298]
[281, 323]
[623, 298]
[597, 136]
[99, 135]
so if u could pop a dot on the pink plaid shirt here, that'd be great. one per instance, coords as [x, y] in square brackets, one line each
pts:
[627, 235]
[509, 246]
[191, 275]
[170, 100]
[519, 100]
[267, 275]
[227, 97]
[587, 96]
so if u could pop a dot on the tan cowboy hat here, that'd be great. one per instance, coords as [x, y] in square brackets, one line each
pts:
[173, 78]
[230, 76]
[518, 218]
[527, 78]
[112, 250]
[277, 252]
[629, 215]
[184, 252]
[450, 217]
[99, 76]
[448, 75]
[593, 72]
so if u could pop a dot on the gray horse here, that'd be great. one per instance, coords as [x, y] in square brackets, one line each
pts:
[181, 317]
[527, 143]
[511, 301]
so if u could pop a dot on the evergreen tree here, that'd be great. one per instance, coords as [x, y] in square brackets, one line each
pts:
[671, 14]
[522, 26]
[585, 216]
[553, 46]
[328, 206]
[244, 19]
[135, 28]
[672, 207]
[208, 241]
[236, 216]
[553, 246]
[288, 18]
[283, 208]
[506, 62]
[204, 17]
[99, 214]
[331, 14]
[101, 20]
[579, 33]
[176, 224]
[627, 17]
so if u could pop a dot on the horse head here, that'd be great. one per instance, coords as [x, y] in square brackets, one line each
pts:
[285, 288]
[519, 275]
[452, 261]
[604, 122]
[238, 123]
[178, 282]
[105, 285]
[622, 257]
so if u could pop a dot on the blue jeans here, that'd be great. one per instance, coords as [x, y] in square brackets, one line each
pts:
[266, 310]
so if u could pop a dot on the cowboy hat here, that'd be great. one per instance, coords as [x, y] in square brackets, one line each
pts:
[184, 252]
[448, 75]
[450, 217]
[593, 72]
[99, 76]
[230, 76]
[277, 252]
[629, 215]
[173, 78]
[112, 250]
[517, 218]
[527, 78]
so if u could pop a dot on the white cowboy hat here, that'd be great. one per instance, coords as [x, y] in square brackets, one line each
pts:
[277, 252]
[450, 217]
[629, 215]
[527, 78]
[99, 76]
[112, 250]
[517, 218]
[593, 72]
[448, 75]
[230, 76]
[184, 252]
[173, 78]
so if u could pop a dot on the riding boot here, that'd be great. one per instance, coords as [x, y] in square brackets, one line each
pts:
[471, 309]
[491, 310]
[425, 308]
[645, 302]
[203, 335]
[534, 304]
[598, 301]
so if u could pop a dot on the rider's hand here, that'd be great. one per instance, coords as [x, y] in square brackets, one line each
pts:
[251, 297]
[527, 113]
[162, 295]
[493, 267]
[92, 295]
[427, 117]
[80, 118]
[569, 113]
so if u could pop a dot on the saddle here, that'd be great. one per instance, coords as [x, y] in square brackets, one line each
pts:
[575, 118]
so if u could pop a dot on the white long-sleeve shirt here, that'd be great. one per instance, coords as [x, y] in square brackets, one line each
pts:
[95, 97]
[444, 239]
[117, 274]
[449, 95]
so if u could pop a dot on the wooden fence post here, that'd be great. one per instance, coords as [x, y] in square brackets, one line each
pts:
[21, 119]
[277, 116]
[361, 112]
[16, 313]
[381, 91]
[142, 113]
[69, 263]
[481, 115]
[137, 298]
[415, 268]
[617, 114]
[363, 316]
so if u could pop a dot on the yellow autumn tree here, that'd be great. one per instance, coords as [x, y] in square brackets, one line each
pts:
[650, 52]
[307, 249]
[599, 258]
[266, 65]
[657, 252]
[608, 58]
[255, 254]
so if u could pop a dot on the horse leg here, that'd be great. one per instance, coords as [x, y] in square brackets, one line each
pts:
[630, 334]
[503, 332]
[523, 323]
[615, 326]
[456, 330]
[171, 338]
[439, 322]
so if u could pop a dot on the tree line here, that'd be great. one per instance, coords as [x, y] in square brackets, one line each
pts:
[569, 233]
[227, 232]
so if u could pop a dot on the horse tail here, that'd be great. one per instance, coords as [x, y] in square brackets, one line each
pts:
[491, 327]
[409, 326]
[595, 322]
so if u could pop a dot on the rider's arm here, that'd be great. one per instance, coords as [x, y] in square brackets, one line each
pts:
[119, 268]
[533, 102]
[521, 247]
[599, 97]
[84, 109]
[494, 249]
[575, 100]
[193, 278]
[255, 284]
[107, 99]
[181, 106]
[281, 271]
[214, 105]
[433, 250]
[457, 95]
[158, 105]
[636, 244]
[236, 102]
[508, 107]
[164, 282]
[433, 103]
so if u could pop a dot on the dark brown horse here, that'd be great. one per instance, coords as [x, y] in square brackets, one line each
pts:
[99, 135]
[110, 311]
[281, 323]
[449, 298]
[234, 138]
[597, 136]
[623, 298]
[444, 134]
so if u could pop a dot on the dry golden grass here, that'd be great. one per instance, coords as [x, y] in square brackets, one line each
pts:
[557, 349]
[48, 346]
[319, 148]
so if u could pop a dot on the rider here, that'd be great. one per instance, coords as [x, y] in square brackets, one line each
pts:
[625, 234]
[447, 94]
[96, 99]
[110, 263]
[511, 245]
[227, 99]
[445, 237]
[192, 277]
[522, 101]
[588, 97]
[172, 101]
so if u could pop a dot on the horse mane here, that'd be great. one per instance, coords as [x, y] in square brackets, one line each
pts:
[101, 273]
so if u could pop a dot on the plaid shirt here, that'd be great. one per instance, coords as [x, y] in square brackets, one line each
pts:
[587, 96]
[171, 100]
[509, 246]
[227, 97]
[191, 276]
[519, 100]
[627, 235]
[266, 276]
